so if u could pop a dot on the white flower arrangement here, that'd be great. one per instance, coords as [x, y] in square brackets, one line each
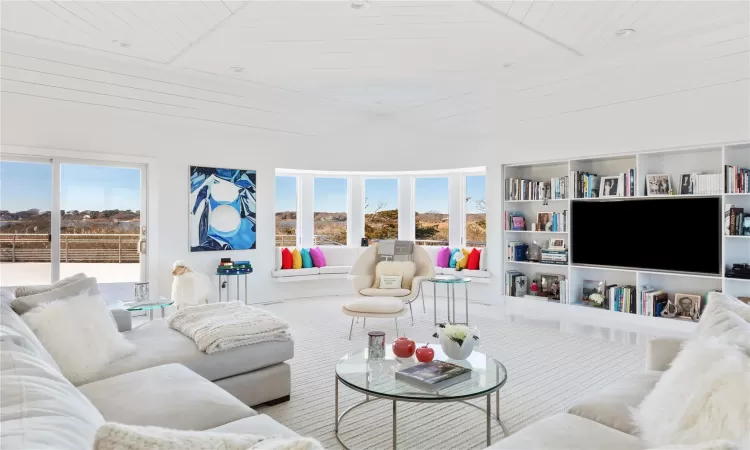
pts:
[456, 333]
[597, 298]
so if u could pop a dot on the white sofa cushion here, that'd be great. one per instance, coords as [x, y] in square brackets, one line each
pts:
[85, 286]
[335, 270]
[157, 344]
[704, 396]
[466, 273]
[340, 255]
[24, 291]
[79, 351]
[170, 396]
[379, 305]
[15, 329]
[40, 408]
[296, 272]
[260, 424]
[611, 406]
[378, 292]
[726, 317]
[568, 432]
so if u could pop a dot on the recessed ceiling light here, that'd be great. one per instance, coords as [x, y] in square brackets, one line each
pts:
[508, 64]
[625, 32]
[236, 69]
[358, 4]
[123, 44]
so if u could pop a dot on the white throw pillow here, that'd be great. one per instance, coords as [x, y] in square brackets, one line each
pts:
[80, 334]
[704, 396]
[87, 286]
[407, 270]
[116, 436]
[23, 291]
[390, 281]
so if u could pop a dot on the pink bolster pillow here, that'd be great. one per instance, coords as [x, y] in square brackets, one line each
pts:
[318, 258]
[443, 257]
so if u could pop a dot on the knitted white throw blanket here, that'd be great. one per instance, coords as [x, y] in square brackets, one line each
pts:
[220, 326]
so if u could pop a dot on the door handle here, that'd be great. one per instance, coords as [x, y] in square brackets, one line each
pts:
[142, 247]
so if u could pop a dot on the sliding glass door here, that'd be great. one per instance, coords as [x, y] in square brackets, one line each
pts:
[25, 222]
[62, 217]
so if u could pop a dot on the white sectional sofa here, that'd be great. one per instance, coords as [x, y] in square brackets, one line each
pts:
[478, 276]
[41, 409]
[339, 261]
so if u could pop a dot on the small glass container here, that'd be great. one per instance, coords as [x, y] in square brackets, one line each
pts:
[140, 292]
[376, 344]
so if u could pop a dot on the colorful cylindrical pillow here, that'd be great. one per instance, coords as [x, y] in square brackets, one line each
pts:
[296, 259]
[463, 262]
[286, 259]
[318, 258]
[474, 260]
[307, 262]
[455, 253]
[444, 257]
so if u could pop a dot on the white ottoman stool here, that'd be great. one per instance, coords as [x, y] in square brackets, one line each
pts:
[374, 308]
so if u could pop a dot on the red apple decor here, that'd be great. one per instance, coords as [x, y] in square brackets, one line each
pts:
[404, 347]
[425, 354]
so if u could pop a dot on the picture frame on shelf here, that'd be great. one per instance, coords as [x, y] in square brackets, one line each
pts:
[611, 186]
[543, 221]
[550, 285]
[592, 287]
[687, 183]
[658, 184]
[556, 244]
[683, 306]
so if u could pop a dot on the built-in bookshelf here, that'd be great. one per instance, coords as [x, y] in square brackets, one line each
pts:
[692, 172]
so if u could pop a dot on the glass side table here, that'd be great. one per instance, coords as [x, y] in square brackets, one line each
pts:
[450, 282]
[150, 307]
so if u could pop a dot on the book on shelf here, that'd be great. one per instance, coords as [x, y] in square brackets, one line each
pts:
[697, 183]
[554, 256]
[621, 298]
[736, 221]
[736, 180]
[585, 185]
[515, 221]
[510, 282]
[434, 375]
[556, 222]
[523, 189]
[516, 251]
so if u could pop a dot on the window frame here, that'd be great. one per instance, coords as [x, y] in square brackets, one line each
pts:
[348, 205]
[397, 178]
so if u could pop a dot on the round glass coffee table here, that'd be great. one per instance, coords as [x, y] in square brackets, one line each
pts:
[376, 378]
[150, 307]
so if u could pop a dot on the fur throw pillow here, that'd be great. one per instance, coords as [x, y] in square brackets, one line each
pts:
[80, 334]
[407, 270]
[23, 291]
[704, 396]
[115, 436]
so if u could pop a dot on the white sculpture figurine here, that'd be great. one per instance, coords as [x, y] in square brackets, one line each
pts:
[189, 288]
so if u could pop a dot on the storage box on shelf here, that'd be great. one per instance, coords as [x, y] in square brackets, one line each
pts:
[630, 291]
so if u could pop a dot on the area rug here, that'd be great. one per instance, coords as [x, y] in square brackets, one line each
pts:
[548, 371]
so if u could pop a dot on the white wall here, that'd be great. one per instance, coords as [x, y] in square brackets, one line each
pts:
[374, 143]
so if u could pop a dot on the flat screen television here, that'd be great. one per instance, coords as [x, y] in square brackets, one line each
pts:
[666, 234]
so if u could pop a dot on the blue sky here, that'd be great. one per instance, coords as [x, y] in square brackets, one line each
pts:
[26, 185]
[431, 194]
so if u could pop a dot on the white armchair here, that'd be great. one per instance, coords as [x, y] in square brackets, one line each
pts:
[372, 302]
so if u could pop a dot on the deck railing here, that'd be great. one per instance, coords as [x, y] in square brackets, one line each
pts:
[74, 248]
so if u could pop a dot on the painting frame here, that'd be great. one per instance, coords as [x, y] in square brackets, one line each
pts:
[658, 184]
[222, 212]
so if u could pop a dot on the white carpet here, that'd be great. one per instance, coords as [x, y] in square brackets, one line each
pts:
[547, 372]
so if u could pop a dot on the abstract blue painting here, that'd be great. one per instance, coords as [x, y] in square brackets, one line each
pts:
[222, 209]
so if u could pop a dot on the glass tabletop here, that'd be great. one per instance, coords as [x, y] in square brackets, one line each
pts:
[378, 377]
[449, 279]
[148, 306]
